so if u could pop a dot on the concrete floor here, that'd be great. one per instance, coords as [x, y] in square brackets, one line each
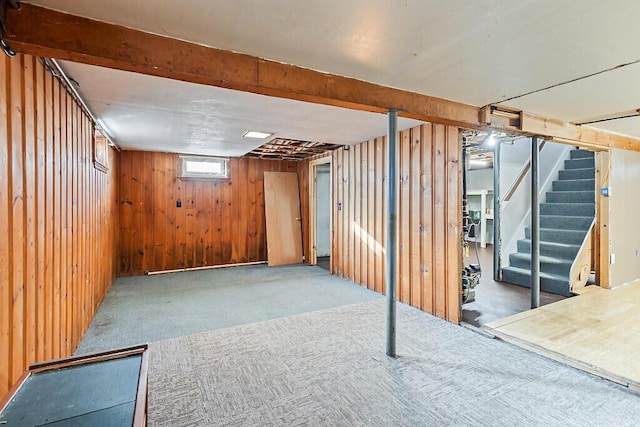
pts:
[143, 309]
[324, 262]
[497, 300]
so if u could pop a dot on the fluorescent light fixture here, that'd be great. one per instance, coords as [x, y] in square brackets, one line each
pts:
[257, 135]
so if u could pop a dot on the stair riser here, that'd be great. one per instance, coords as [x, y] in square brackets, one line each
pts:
[568, 209]
[576, 174]
[571, 197]
[520, 261]
[580, 185]
[546, 284]
[568, 237]
[579, 163]
[568, 253]
[582, 154]
[565, 223]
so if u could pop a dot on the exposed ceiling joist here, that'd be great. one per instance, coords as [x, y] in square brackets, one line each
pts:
[289, 149]
[44, 32]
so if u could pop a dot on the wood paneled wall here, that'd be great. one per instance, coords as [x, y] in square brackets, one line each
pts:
[220, 222]
[57, 219]
[429, 216]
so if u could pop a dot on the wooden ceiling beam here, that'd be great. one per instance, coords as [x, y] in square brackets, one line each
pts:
[585, 136]
[496, 117]
[39, 31]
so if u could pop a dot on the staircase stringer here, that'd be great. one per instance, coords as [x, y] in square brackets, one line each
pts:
[582, 264]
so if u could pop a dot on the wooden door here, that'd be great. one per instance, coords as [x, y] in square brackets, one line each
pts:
[282, 212]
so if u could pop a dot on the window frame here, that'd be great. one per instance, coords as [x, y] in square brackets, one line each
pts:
[204, 176]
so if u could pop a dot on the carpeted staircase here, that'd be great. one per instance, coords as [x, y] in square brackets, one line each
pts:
[565, 219]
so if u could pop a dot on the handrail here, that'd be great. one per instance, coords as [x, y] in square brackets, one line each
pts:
[516, 183]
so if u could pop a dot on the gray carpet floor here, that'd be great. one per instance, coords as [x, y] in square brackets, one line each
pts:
[328, 368]
[143, 309]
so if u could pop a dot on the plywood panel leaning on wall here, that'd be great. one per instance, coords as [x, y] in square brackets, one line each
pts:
[282, 211]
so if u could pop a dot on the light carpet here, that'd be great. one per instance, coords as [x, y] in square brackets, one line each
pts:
[328, 368]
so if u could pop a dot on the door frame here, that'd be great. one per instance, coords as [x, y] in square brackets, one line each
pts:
[313, 209]
[602, 242]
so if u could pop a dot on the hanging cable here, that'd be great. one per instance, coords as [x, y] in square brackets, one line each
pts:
[608, 119]
[6, 48]
[626, 64]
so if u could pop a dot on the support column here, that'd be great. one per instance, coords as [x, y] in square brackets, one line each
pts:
[535, 226]
[497, 242]
[392, 232]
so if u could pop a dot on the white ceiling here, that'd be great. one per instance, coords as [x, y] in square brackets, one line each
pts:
[478, 52]
[156, 114]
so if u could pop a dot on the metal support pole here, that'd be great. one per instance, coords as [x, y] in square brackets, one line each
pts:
[392, 232]
[535, 226]
[464, 173]
[497, 241]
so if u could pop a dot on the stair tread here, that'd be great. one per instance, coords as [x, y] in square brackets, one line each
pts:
[578, 192]
[565, 216]
[581, 154]
[555, 229]
[542, 274]
[543, 258]
[569, 203]
[560, 245]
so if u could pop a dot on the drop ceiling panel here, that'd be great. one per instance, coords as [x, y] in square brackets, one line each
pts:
[156, 114]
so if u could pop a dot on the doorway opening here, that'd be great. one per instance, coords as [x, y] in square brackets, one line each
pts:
[497, 243]
[320, 212]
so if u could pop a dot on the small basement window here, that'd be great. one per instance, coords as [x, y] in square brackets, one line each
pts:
[196, 167]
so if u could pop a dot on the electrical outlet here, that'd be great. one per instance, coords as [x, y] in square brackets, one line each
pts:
[612, 259]
[637, 252]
